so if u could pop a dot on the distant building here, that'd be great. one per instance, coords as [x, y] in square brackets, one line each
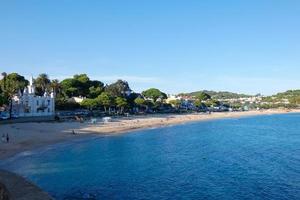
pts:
[27, 104]
[76, 99]
[172, 97]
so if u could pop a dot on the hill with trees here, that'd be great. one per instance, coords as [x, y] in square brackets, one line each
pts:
[217, 95]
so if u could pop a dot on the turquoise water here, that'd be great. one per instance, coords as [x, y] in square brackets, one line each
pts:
[246, 158]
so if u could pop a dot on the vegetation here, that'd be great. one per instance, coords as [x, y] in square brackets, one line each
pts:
[118, 96]
[154, 94]
[105, 100]
[42, 84]
[81, 85]
[118, 89]
[217, 95]
[121, 103]
[288, 99]
[89, 103]
[11, 84]
[175, 103]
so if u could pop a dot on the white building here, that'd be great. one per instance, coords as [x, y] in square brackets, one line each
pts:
[30, 105]
[172, 97]
[76, 99]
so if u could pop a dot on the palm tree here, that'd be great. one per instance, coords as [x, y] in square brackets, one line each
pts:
[42, 84]
[55, 86]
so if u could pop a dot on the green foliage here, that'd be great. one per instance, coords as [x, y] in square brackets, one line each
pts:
[118, 89]
[2, 100]
[81, 85]
[202, 96]
[95, 91]
[105, 100]
[55, 86]
[154, 94]
[175, 103]
[140, 101]
[295, 100]
[236, 105]
[90, 103]
[288, 94]
[121, 103]
[70, 87]
[42, 84]
[198, 103]
[212, 103]
[10, 85]
[217, 95]
[292, 96]
[63, 104]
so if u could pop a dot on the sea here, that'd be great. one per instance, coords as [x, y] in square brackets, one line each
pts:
[254, 157]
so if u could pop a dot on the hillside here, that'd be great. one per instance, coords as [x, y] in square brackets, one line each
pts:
[293, 97]
[218, 95]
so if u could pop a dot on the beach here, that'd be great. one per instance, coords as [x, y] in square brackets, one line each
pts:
[29, 136]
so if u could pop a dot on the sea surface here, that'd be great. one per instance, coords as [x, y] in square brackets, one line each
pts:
[245, 158]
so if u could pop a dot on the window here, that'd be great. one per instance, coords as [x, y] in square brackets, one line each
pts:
[48, 102]
[48, 110]
[37, 102]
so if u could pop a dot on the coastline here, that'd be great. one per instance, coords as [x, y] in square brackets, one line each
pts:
[29, 136]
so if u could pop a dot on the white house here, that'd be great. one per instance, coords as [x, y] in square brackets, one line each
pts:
[27, 104]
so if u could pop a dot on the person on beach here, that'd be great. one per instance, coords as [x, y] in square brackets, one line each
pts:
[7, 138]
[73, 132]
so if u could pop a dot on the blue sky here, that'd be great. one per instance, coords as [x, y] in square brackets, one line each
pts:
[177, 46]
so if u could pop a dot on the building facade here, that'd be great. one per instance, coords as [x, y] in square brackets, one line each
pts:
[27, 104]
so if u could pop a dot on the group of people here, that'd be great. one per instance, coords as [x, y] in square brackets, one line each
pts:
[5, 138]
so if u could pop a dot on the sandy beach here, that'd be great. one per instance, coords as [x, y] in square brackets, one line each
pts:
[28, 136]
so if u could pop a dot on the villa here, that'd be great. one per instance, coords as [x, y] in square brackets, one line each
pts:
[28, 104]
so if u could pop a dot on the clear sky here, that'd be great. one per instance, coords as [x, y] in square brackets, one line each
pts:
[176, 46]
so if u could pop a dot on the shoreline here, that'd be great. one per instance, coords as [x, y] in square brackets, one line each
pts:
[33, 135]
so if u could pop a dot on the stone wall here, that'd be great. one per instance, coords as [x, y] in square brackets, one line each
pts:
[15, 187]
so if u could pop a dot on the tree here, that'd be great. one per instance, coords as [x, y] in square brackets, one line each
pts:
[42, 84]
[212, 103]
[175, 103]
[202, 96]
[118, 89]
[55, 86]
[139, 101]
[121, 103]
[2, 99]
[81, 85]
[95, 91]
[154, 94]
[197, 103]
[10, 85]
[295, 100]
[89, 103]
[70, 87]
[106, 100]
